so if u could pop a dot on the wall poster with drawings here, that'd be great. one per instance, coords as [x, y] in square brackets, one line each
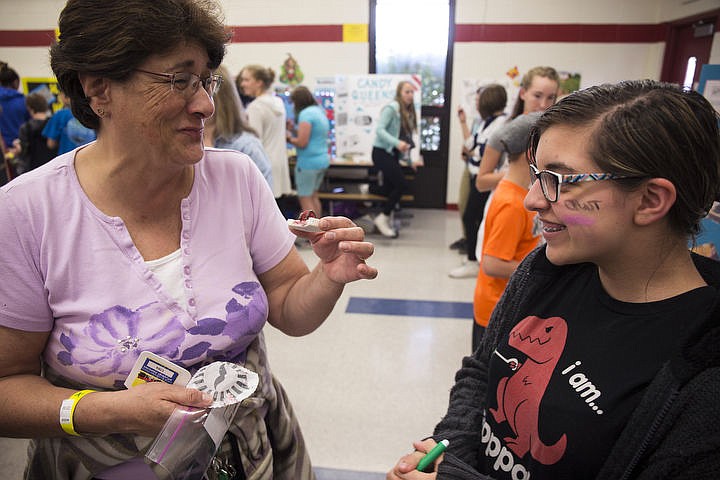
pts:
[358, 102]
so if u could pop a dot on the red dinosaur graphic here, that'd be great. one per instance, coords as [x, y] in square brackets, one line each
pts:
[519, 395]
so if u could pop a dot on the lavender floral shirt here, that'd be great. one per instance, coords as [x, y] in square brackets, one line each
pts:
[69, 269]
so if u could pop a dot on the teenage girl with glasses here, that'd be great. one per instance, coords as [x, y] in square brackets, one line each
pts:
[601, 359]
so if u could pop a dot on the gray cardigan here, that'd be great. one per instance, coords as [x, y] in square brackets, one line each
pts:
[673, 434]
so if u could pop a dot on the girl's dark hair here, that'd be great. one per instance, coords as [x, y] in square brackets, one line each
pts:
[302, 98]
[648, 129]
[8, 77]
[491, 99]
[111, 38]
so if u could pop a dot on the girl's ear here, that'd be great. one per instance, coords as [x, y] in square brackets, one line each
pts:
[658, 197]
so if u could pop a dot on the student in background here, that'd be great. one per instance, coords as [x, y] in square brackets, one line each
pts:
[245, 99]
[311, 144]
[393, 139]
[229, 128]
[509, 231]
[538, 91]
[13, 112]
[63, 131]
[601, 359]
[491, 101]
[34, 150]
[463, 191]
[266, 115]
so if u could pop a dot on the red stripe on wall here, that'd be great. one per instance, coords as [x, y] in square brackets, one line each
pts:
[288, 33]
[26, 38]
[588, 33]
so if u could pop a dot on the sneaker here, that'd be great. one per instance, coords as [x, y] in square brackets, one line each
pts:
[467, 270]
[457, 244]
[382, 222]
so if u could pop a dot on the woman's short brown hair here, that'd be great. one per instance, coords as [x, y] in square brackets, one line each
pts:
[111, 38]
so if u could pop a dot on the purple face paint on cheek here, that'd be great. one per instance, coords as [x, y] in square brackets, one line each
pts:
[579, 220]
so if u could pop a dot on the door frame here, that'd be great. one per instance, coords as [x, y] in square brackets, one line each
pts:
[429, 186]
[671, 39]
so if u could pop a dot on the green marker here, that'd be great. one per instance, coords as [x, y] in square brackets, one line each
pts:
[432, 455]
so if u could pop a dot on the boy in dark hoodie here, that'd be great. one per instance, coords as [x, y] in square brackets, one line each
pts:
[34, 150]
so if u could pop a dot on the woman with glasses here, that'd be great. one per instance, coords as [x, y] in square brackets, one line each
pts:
[601, 359]
[145, 240]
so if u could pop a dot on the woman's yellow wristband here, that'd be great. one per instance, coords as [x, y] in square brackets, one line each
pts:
[67, 410]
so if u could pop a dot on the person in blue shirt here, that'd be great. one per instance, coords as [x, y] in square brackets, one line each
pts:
[311, 144]
[64, 132]
[12, 109]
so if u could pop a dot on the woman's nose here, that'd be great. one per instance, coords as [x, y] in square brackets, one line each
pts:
[202, 102]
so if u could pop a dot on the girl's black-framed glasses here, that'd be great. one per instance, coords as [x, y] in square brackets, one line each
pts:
[550, 181]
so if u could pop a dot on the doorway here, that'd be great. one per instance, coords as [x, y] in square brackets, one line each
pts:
[688, 47]
[417, 37]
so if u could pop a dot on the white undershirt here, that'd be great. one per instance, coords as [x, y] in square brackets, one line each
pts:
[168, 270]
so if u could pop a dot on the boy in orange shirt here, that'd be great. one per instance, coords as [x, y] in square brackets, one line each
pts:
[511, 232]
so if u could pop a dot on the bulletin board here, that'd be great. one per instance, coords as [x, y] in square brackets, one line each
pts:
[358, 102]
[709, 84]
[47, 87]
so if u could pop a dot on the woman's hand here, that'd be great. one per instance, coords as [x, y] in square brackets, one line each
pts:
[142, 409]
[342, 250]
[403, 146]
[406, 468]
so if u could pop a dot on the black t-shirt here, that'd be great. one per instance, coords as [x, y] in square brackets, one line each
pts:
[564, 383]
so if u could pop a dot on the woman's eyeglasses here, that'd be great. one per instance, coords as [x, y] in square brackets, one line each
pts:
[550, 181]
[188, 83]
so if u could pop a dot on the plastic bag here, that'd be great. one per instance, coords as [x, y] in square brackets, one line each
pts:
[185, 447]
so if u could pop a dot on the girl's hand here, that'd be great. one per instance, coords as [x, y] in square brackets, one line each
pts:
[406, 468]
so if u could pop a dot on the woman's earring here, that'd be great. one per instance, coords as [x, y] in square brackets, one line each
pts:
[101, 113]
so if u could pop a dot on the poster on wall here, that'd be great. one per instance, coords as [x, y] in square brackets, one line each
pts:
[468, 94]
[709, 84]
[569, 82]
[358, 102]
[47, 87]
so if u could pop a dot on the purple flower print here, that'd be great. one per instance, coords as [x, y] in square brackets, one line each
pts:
[246, 315]
[227, 340]
[113, 339]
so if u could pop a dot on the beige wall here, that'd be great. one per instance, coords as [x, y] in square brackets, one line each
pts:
[596, 62]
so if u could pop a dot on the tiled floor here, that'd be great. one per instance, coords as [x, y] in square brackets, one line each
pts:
[376, 375]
